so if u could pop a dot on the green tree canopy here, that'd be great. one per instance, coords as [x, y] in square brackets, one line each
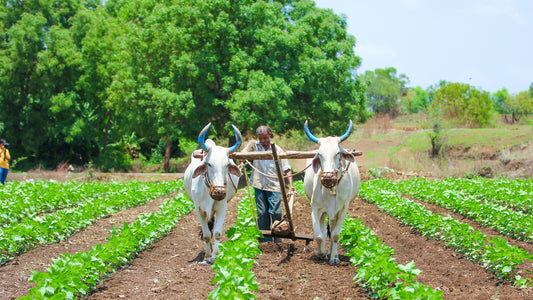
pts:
[385, 88]
[80, 77]
[464, 103]
[415, 100]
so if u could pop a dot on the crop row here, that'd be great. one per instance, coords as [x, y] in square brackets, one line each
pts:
[17, 238]
[494, 254]
[376, 267]
[452, 195]
[20, 200]
[516, 194]
[72, 276]
[234, 275]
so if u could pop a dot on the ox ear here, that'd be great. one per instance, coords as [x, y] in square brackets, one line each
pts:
[316, 163]
[346, 155]
[199, 170]
[234, 169]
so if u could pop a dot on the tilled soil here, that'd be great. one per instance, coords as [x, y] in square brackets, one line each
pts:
[172, 268]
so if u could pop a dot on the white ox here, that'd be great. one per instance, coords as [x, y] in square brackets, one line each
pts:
[210, 182]
[331, 184]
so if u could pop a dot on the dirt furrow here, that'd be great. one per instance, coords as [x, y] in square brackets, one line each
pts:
[442, 268]
[172, 268]
[15, 273]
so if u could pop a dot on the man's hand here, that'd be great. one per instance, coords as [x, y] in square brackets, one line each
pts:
[292, 191]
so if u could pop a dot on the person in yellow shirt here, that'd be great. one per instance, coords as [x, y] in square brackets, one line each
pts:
[5, 157]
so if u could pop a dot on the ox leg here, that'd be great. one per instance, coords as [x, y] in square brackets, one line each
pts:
[206, 234]
[336, 225]
[320, 234]
[220, 215]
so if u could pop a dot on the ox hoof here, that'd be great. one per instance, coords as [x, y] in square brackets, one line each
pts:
[334, 261]
[208, 261]
[320, 255]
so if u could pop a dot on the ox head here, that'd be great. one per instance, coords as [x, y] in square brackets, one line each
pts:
[331, 157]
[216, 165]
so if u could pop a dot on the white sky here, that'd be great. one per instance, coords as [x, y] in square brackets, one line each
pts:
[485, 43]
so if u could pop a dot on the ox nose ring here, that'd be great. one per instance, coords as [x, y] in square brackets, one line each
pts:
[217, 192]
[328, 179]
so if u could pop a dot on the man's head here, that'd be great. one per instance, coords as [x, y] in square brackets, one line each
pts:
[263, 134]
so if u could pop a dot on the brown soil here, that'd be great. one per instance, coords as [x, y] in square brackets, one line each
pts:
[172, 268]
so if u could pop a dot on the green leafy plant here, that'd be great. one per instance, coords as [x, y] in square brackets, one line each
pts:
[234, 266]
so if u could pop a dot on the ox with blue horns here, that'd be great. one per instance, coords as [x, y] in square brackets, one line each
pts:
[210, 182]
[331, 183]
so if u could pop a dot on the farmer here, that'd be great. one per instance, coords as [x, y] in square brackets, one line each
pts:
[265, 181]
[5, 157]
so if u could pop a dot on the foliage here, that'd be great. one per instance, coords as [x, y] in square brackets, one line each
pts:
[496, 254]
[517, 105]
[26, 228]
[376, 266]
[78, 76]
[415, 100]
[72, 276]
[234, 274]
[500, 98]
[384, 90]
[463, 102]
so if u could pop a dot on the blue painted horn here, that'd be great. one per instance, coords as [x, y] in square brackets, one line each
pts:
[309, 134]
[347, 133]
[238, 136]
[201, 137]
[315, 139]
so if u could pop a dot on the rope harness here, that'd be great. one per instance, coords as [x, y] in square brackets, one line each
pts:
[217, 192]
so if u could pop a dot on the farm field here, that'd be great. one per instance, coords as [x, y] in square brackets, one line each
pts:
[170, 266]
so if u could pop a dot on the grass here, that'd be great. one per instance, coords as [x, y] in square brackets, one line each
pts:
[404, 144]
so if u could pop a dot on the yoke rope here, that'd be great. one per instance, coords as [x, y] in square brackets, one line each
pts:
[272, 176]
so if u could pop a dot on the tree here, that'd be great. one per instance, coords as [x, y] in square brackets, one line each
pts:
[519, 105]
[81, 77]
[248, 63]
[500, 98]
[462, 102]
[415, 100]
[384, 90]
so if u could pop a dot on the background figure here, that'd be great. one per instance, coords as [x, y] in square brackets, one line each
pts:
[5, 157]
[265, 181]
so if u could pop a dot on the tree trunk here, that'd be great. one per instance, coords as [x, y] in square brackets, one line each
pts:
[166, 164]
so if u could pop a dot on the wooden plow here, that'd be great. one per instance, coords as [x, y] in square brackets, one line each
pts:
[285, 228]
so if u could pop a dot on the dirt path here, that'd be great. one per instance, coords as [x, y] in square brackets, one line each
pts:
[172, 268]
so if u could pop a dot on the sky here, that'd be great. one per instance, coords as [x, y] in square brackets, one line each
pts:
[484, 43]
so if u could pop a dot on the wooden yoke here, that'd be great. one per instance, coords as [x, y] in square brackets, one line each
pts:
[262, 155]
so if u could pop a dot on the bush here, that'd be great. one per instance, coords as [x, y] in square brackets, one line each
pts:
[114, 159]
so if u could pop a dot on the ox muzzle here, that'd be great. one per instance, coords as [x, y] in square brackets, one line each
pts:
[217, 192]
[329, 179]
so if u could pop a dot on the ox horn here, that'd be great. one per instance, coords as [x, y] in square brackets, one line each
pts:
[201, 137]
[309, 134]
[238, 137]
[347, 133]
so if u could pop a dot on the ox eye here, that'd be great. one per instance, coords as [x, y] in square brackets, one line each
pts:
[209, 165]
